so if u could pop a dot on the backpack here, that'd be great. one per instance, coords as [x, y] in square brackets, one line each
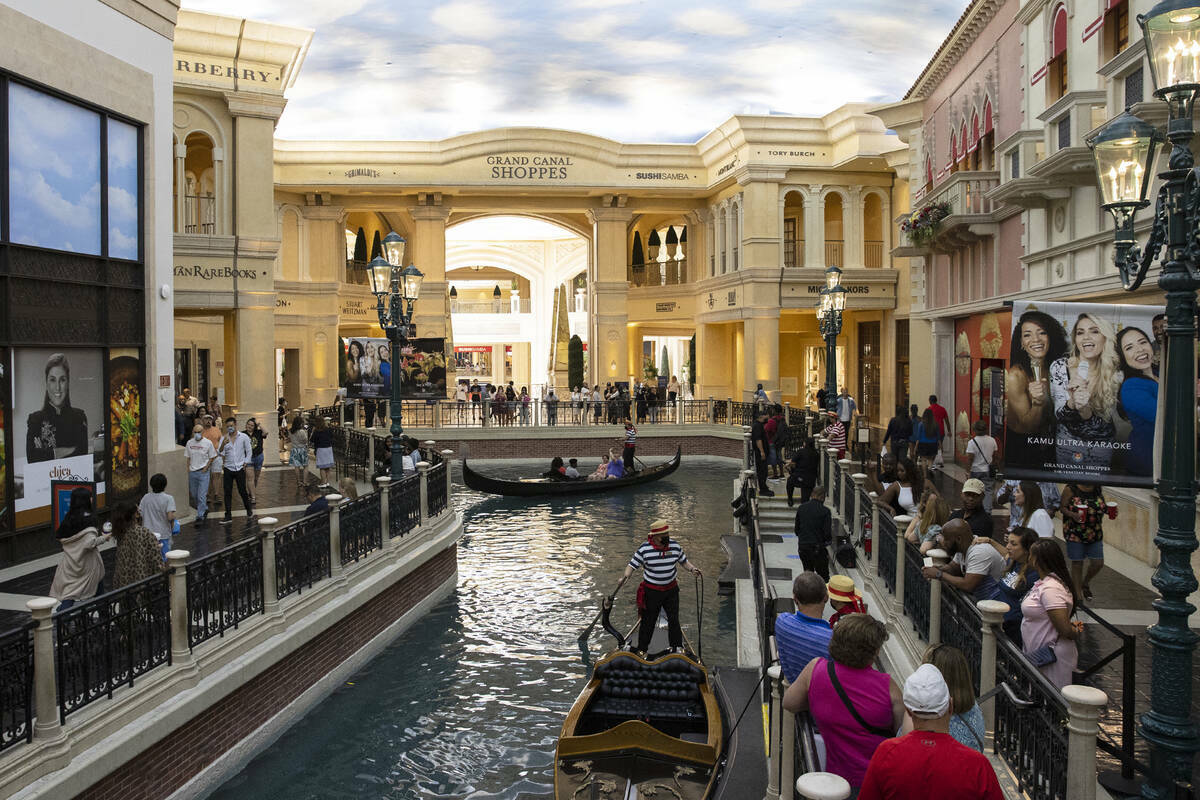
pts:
[782, 434]
[844, 553]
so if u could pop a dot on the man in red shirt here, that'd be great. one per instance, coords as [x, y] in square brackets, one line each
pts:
[835, 435]
[942, 418]
[928, 764]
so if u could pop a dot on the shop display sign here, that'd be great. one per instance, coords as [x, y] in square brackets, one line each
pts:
[369, 373]
[1082, 393]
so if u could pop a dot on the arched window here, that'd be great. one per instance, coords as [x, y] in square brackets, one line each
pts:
[872, 231]
[987, 140]
[974, 156]
[953, 153]
[1057, 84]
[793, 229]
[199, 180]
[928, 174]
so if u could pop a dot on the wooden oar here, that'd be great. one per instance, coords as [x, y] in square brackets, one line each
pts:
[587, 631]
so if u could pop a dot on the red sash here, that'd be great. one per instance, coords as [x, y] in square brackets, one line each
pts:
[641, 592]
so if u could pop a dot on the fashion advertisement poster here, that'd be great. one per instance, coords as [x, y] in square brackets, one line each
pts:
[124, 423]
[369, 372]
[1081, 392]
[368, 368]
[423, 369]
[58, 425]
[981, 350]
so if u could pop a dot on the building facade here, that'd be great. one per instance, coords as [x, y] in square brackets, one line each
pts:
[85, 281]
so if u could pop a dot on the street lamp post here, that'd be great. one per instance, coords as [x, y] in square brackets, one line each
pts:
[1124, 149]
[829, 317]
[400, 286]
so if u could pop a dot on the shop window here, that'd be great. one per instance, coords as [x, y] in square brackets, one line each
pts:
[1063, 129]
[199, 182]
[902, 373]
[793, 230]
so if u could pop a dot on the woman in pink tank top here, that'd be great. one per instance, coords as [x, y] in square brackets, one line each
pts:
[851, 736]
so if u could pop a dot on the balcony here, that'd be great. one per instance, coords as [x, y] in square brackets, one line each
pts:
[872, 254]
[199, 215]
[356, 273]
[972, 212]
[835, 252]
[659, 273]
[793, 252]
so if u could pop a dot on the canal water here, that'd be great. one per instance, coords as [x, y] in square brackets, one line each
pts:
[469, 701]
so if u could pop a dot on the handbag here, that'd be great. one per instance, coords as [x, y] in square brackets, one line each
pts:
[1043, 656]
[868, 727]
[991, 468]
[844, 554]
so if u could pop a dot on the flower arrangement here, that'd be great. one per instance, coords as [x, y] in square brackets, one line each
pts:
[922, 225]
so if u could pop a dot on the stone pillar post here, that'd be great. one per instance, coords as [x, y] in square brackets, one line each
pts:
[383, 485]
[857, 510]
[760, 360]
[335, 535]
[844, 467]
[371, 448]
[268, 526]
[446, 456]
[993, 612]
[1084, 704]
[787, 745]
[712, 411]
[45, 680]
[608, 287]
[423, 471]
[822, 786]
[747, 448]
[940, 558]
[181, 650]
[831, 475]
[774, 755]
[427, 249]
[902, 521]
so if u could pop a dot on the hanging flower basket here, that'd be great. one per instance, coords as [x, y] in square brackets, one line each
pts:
[923, 224]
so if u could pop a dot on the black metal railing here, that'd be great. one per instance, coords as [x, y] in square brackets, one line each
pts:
[436, 488]
[694, 411]
[916, 590]
[331, 412]
[16, 686]
[741, 413]
[356, 455]
[419, 413]
[109, 641]
[885, 546]
[404, 505]
[721, 412]
[361, 527]
[835, 479]
[301, 554]
[962, 626]
[224, 589]
[1030, 730]
[1125, 750]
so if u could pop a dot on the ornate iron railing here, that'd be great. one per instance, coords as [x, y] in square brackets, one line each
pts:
[1030, 730]
[741, 414]
[331, 412]
[721, 412]
[404, 505]
[224, 589]
[16, 686]
[419, 413]
[357, 454]
[836, 479]
[361, 527]
[110, 640]
[436, 492]
[301, 554]
[460, 415]
[695, 412]
[916, 590]
[962, 627]
[885, 546]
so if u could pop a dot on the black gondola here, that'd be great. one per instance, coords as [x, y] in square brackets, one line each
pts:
[536, 487]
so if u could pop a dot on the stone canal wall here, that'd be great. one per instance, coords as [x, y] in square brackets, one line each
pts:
[183, 729]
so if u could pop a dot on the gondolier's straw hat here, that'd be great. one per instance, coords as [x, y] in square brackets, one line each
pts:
[842, 588]
[659, 527]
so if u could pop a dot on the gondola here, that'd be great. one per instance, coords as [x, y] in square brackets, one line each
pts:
[644, 727]
[536, 487]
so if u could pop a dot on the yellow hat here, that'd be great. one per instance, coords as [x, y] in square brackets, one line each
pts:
[842, 588]
[659, 527]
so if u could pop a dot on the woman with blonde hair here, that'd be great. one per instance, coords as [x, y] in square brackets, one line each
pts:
[966, 722]
[1085, 386]
[925, 529]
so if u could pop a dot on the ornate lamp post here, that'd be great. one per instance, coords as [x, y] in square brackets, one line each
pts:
[1124, 150]
[829, 317]
[400, 286]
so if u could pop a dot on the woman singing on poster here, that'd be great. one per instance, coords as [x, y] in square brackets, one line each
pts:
[1038, 341]
[1085, 387]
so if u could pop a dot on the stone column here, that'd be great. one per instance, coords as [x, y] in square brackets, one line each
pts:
[423, 471]
[383, 485]
[446, 456]
[1084, 704]
[268, 526]
[180, 194]
[831, 476]
[45, 680]
[609, 288]
[993, 612]
[814, 228]
[760, 359]
[181, 650]
[774, 755]
[844, 467]
[940, 558]
[697, 245]
[335, 535]
[427, 250]
[747, 451]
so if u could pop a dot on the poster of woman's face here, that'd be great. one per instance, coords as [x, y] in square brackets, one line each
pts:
[1081, 393]
[58, 422]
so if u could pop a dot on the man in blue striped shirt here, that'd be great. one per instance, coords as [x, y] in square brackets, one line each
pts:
[805, 635]
[658, 558]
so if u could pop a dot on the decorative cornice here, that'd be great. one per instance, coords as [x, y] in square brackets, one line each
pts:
[972, 22]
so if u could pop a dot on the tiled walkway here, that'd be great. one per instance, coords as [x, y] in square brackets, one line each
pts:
[278, 496]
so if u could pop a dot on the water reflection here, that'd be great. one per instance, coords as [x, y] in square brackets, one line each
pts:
[469, 702]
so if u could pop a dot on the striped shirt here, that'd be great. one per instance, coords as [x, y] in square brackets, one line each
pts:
[836, 434]
[799, 639]
[631, 437]
[658, 566]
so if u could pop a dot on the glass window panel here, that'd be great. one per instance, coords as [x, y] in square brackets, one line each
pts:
[54, 172]
[122, 190]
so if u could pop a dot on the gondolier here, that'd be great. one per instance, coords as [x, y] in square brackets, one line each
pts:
[630, 444]
[658, 558]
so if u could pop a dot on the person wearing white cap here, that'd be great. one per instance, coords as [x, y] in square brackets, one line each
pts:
[658, 557]
[972, 508]
[928, 764]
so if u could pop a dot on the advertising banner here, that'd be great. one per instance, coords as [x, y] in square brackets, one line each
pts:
[369, 372]
[1081, 393]
[125, 423]
[58, 425]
